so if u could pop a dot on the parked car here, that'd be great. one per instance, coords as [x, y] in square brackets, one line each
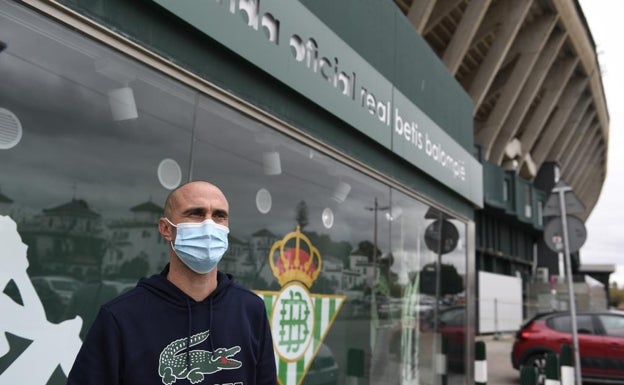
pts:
[600, 338]
[451, 325]
[121, 285]
[323, 369]
[63, 286]
[53, 304]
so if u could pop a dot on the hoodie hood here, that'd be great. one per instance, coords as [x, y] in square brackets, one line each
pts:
[164, 289]
[160, 286]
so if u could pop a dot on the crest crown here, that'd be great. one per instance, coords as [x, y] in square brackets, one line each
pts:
[294, 258]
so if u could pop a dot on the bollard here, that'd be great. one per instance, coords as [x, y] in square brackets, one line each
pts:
[566, 365]
[480, 367]
[552, 369]
[355, 366]
[528, 375]
[441, 364]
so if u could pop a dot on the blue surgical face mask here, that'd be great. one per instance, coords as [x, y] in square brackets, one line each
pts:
[200, 245]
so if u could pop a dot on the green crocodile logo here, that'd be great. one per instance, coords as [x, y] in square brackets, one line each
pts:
[172, 364]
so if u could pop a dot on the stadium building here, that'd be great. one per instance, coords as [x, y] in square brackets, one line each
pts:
[384, 160]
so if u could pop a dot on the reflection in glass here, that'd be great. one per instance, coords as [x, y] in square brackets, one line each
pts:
[169, 174]
[272, 164]
[341, 192]
[91, 230]
[328, 218]
[84, 190]
[263, 200]
[122, 104]
[10, 129]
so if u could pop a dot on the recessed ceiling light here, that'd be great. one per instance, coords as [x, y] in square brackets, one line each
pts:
[10, 129]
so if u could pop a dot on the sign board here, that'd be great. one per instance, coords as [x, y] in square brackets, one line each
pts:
[312, 60]
[553, 234]
[448, 233]
[573, 205]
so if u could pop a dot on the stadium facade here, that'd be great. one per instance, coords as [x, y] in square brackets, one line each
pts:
[376, 155]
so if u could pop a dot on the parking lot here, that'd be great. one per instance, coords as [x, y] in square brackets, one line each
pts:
[498, 350]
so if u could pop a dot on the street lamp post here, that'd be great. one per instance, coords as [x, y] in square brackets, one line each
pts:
[374, 310]
[376, 208]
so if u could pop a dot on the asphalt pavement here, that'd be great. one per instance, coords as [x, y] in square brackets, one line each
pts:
[498, 354]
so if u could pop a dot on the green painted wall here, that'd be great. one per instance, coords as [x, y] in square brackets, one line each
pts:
[374, 28]
[512, 205]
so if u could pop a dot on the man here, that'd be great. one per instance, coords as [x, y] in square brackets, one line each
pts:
[191, 323]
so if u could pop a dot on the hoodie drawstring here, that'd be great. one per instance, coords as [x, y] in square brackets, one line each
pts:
[210, 327]
[190, 328]
[188, 335]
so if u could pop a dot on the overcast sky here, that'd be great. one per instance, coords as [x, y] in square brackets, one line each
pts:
[605, 234]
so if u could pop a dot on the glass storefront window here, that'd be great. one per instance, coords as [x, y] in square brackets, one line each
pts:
[94, 144]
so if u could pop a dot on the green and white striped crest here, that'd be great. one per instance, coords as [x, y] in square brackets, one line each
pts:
[299, 323]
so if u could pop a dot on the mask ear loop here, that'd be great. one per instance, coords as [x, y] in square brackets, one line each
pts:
[171, 242]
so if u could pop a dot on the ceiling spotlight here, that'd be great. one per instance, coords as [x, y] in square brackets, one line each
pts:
[341, 192]
[122, 104]
[10, 129]
[263, 200]
[394, 213]
[271, 162]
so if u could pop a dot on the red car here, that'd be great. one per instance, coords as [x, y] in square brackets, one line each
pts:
[600, 337]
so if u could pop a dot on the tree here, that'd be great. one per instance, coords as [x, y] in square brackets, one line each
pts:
[616, 295]
[450, 281]
[367, 248]
[301, 214]
[326, 246]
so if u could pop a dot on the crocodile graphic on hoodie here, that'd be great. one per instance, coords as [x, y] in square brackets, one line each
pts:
[174, 364]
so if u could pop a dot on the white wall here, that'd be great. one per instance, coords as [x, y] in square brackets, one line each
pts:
[499, 303]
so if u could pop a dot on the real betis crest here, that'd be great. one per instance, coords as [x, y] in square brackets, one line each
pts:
[299, 319]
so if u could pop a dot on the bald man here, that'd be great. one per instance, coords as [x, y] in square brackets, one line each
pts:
[190, 323]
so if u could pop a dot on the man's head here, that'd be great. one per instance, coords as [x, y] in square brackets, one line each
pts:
[194, 203]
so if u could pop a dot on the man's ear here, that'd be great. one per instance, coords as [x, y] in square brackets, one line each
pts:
[165, 229]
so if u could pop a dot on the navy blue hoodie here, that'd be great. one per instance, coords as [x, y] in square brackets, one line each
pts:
[156, 334]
